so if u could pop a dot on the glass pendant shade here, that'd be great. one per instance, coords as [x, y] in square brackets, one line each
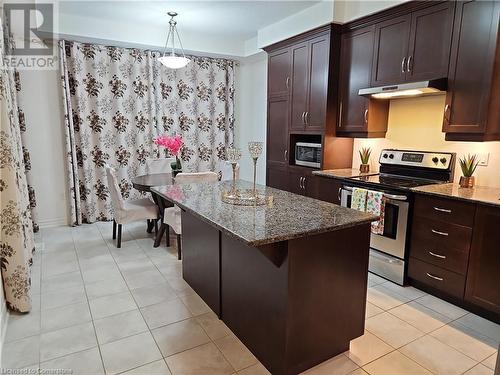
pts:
[174, 62]
[170, 59]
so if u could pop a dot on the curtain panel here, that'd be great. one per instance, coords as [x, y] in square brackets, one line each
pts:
[118, 99]
[16, 226]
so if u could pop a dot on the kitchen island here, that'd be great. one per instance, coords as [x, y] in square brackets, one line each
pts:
[289, 279]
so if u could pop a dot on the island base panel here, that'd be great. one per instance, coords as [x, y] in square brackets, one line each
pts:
[201, 259]
[296, 303]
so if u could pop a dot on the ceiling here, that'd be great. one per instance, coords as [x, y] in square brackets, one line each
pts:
[235, 18]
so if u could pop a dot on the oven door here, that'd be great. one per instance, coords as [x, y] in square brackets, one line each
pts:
[393, 240]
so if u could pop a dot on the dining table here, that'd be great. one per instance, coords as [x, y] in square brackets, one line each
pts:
[145, 183]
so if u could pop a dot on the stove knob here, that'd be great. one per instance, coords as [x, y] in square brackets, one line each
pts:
[435, 159]
[443, 160]
[391, 156]
[385, 156]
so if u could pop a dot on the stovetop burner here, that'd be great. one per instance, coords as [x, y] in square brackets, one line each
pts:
[396, 181]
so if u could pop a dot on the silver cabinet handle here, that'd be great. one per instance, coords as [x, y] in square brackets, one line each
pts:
[304, 183]
[306, 117]
[300, 182]
[447, 108]
[440, 233]
[442, 210]
[286, 154]
[303, 118]
[339, 194]
[287, 82]
[366, 116]
[409, 64]
[434, 277]
[340, 115]
[403, 63]
[437, 255]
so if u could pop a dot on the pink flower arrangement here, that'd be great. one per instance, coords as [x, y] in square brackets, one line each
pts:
[172, 143]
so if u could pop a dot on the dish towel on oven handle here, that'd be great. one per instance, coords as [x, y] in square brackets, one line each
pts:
[375, 204]
[358, 199]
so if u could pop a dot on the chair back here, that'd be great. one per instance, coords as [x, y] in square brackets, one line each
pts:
[226, 170]
[116, 195]
[191, 178]
[161, 165]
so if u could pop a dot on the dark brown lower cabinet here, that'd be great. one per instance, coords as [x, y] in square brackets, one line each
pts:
[328, 189]
[455, 253]
[483, 276]
[277, 176]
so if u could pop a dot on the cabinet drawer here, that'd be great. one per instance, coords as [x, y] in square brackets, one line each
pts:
[445, 257]
[441, 235]
[445, 281]
[451, 211]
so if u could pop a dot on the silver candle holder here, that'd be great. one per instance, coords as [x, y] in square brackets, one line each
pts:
[245, 197]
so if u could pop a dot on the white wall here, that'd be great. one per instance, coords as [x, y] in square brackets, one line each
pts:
[251, 112]
[42, 104]
[416, 124]
[348, 10]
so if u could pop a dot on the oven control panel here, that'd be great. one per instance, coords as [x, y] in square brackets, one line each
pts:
[423, 159]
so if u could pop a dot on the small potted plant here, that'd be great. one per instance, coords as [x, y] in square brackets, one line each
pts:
[364, 155]
[174, 145]
[468, 164]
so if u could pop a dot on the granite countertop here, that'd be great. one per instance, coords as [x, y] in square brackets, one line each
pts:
[481, 194]
[290, 215]
[341, 174]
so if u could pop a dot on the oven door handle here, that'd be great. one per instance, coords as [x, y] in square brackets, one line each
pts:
[388, 196]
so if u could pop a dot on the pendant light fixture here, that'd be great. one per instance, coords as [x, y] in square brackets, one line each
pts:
[169, 58]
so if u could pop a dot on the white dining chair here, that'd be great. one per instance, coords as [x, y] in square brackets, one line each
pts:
[126, 211]
[226, 170]
[172, 216]
[161, 165]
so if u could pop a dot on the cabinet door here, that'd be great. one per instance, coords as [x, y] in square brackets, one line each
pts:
[471, 66]
[279, 72]
[300, 82]
[430, 42]
[391, 51]
[328, 189]
[355, 72]
[483, 277]
[277, 176]
[319, 57]
[295, 182]
[277, 130]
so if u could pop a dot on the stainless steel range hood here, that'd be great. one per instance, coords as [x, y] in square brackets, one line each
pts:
[406, 90]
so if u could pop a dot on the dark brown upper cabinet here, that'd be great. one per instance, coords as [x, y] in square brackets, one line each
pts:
[430, 41]
[279, 72]
[277, 130]
[309, 90]
[359, 117]
[391, 51]
[472, 111]
[414, 46]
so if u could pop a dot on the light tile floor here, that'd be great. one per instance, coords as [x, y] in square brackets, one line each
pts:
[102, 310]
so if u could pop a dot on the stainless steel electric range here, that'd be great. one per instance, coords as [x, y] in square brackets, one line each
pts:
[400, 170]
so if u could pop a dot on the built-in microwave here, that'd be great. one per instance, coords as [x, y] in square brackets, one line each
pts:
[308, 154]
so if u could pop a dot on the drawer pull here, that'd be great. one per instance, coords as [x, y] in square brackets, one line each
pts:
[442, 210]
[440, 233]
[437, 255]
[434, 277]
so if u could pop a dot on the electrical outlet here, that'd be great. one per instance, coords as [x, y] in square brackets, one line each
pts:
[483, 159]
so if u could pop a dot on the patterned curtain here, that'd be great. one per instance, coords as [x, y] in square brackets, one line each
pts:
[117, 100]
[16, 226]
[26, 154]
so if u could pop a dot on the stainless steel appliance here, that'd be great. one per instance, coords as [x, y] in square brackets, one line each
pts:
[400, 170]
[308, 154]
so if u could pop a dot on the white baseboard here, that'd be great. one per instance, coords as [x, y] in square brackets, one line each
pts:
[56, 222]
